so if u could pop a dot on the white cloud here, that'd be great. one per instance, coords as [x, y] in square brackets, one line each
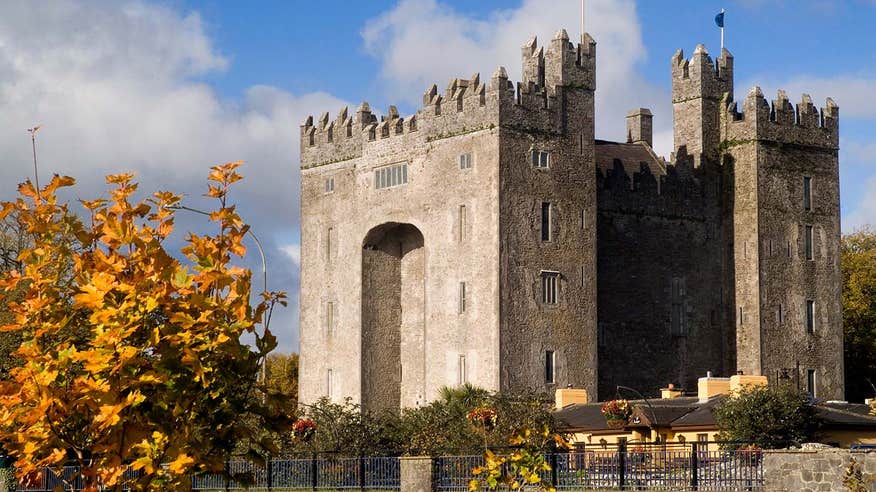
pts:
[113, 86]
[421, 42]
[293, 251]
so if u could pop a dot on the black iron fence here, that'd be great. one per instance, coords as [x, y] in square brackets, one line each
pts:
[690, 466]
[696, 466]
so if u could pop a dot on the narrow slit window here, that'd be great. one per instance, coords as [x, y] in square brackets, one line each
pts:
[329, 386]
[549, 367]
[741, 316]
[810, 382]
[462, 297]
[329, 185]
[329, 318]
[780, 314]
[329, 240]
[583, 218]
[549, 287]
[808, 242]
[546, 213]
[462, 377]
[462, 222]
[810, 317]
[807, 193]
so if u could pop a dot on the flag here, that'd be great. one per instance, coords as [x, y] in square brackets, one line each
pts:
[719, 19]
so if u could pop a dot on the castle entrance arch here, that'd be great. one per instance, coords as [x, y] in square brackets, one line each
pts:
[393, 316]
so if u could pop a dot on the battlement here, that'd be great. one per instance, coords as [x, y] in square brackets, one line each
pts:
[803, 124]
[465, 106]
[700, 77]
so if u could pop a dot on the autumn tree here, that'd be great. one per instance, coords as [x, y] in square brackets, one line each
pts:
[13, 241]
[859, 313]
[281, 375]
[132, 358]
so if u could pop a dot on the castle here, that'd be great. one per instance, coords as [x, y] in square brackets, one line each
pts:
[491, 239]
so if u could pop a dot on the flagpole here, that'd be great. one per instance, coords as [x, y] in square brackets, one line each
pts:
[722, 33]
[583, 18]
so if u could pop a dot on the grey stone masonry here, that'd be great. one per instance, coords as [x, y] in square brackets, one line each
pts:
[815, 471]
[489, 238]
[416, 474]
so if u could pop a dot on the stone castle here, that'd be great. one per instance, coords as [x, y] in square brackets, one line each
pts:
[491, 239]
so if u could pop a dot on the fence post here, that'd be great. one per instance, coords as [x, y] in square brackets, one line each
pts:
[553, 461]
[270, 474]
[621, 465]
[361, 473]
[313, 472]
[694, 465]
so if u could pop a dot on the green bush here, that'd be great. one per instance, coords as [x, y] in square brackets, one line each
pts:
[769, 417]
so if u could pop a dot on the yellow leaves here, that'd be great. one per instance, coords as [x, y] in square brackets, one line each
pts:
[181, 464]
[109, 415]
[92, 294]
[120, 179]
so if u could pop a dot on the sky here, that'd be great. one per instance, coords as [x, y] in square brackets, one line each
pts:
[168, 88]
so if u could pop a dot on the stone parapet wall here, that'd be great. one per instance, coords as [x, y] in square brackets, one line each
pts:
[821, 470]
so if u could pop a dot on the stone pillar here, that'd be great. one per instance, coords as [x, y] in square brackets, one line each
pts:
[416, 474]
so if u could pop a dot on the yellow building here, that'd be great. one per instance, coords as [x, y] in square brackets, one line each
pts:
[676, 418]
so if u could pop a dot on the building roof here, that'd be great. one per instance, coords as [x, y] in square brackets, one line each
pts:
[678, 413]
[631, 156]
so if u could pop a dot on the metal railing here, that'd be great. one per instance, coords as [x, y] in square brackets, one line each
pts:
[691, 466]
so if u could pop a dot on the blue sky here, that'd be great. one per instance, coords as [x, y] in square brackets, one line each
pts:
[169, 87]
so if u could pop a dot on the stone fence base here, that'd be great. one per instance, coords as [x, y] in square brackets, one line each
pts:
[815, 471]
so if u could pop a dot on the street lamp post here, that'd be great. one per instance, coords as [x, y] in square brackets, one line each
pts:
[264, 369]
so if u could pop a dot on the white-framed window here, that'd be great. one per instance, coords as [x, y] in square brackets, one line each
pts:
[549, 287]
[546, 220]
[541, 159]
[807, 193]
[461, 219]
[808, 242]
[462, 377]
[550, 360]
[810, 316]
[391, 176]
[329, 185]
[462, 297]
[465, 161]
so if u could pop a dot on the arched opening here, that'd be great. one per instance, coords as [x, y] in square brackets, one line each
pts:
[393, 316]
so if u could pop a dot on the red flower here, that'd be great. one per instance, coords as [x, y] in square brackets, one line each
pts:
[303, 429]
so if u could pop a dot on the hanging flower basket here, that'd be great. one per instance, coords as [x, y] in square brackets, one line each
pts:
[483, 417]
[303, 430]
[617, 413]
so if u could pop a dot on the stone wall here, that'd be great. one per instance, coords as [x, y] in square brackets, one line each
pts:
[814, 471]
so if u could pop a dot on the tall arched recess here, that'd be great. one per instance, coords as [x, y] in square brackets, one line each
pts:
[393, 317]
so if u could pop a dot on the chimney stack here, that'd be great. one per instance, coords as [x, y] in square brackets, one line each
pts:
[640, 126]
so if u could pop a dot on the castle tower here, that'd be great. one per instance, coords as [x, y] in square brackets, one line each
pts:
[698, 86]
[783, 165]
[450, 246]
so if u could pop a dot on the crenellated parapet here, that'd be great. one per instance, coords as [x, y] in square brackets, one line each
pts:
[781, 122]
[466, 105]
[699, 76]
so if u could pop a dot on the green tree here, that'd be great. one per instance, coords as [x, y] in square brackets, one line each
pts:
[281, 375]
[130, 358]
[859, 312]
[768, 416]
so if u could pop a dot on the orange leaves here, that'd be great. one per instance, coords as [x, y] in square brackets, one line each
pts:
[109, 316]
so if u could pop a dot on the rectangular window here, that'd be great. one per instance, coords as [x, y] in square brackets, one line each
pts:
[541, 159]
[462, 376]
[808, 240]
[462, 297]
[780, 314]
[702, 437]
[390, 176]
[549, 362]
[810, 382]
[546, 213]
[807, 193]
[549, 287]
[330, 185]
[810, 317]
[465, 161]
[462, 217]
